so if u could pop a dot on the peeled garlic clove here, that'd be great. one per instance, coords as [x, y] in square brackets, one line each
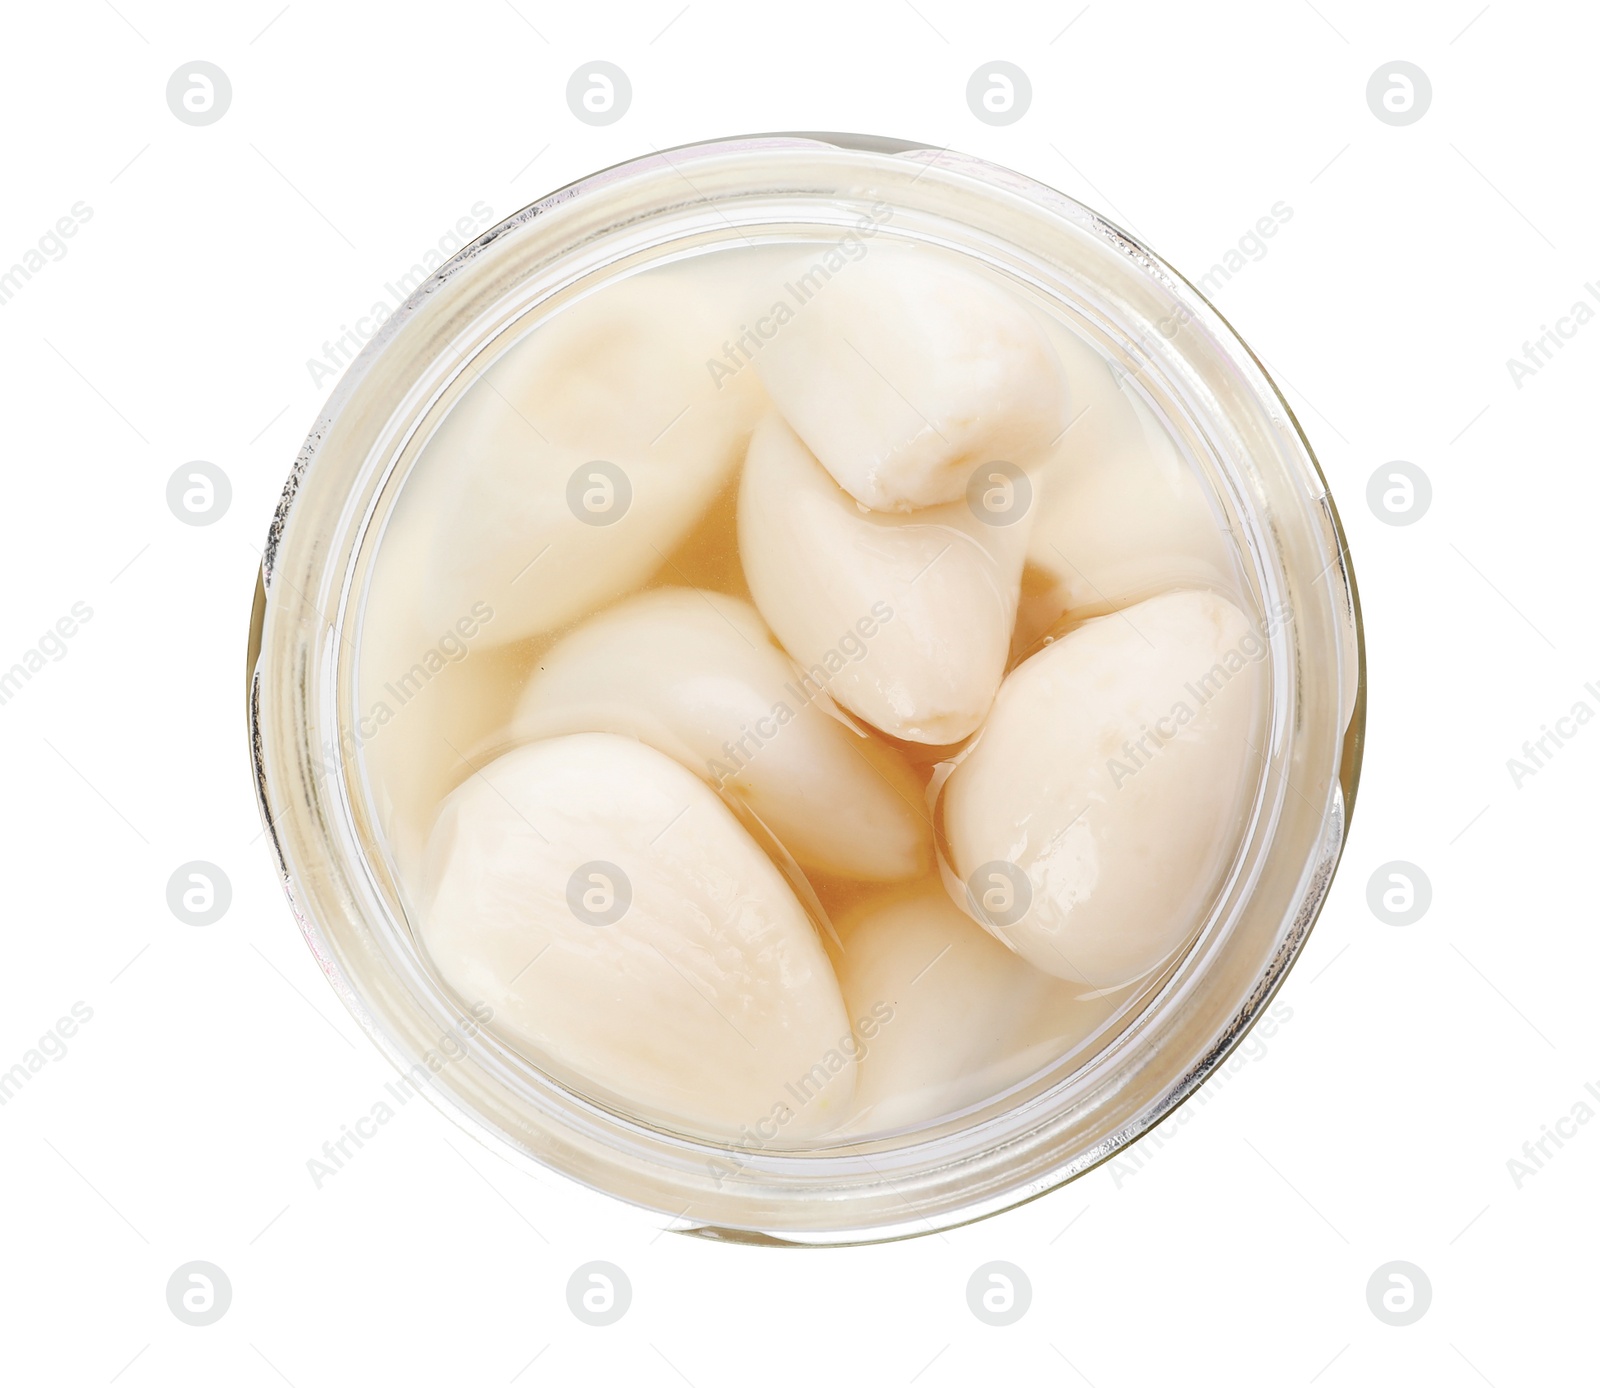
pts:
[424, 695]
[697, 676]
[906, 620]
[625, 929]
[946, 1016]
[1121, 517]
[1089, 824]
[563, 476]
[903, 371]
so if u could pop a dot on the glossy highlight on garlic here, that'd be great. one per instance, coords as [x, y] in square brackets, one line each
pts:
[821, 745]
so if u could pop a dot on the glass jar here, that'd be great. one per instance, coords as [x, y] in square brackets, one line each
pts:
[1203, 382]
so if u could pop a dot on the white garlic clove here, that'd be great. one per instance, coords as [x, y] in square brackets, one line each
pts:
[1088, 826]
[903, 372]
[562, 477]
[946, 1016]
[421, 694]
[626, 931]
[1121, 517]
[905, 619]
[698, 676]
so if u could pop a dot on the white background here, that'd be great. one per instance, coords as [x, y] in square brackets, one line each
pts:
[1376, 1124]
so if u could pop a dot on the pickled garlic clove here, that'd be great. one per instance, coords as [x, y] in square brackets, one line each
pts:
[903, 371]
[946, 1016]
[697, 675]
[1089, 825]
[906, 620]
[560, 478]
[1121, 517]
[421, 695]
[624, 928]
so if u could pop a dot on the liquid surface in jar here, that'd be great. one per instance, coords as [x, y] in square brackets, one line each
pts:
[808, 693]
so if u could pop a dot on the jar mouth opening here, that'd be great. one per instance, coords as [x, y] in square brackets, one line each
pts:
[326, 827]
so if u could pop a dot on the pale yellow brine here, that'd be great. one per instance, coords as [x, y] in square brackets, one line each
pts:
[807, 694]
